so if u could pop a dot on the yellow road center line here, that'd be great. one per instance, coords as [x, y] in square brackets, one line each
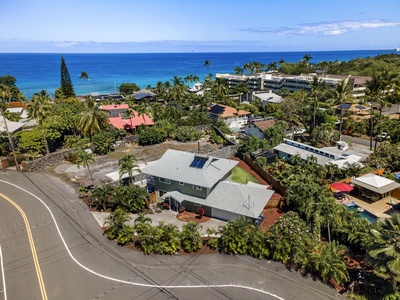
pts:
[32, 244]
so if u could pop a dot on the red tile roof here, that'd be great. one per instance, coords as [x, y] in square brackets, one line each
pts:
[125, 123]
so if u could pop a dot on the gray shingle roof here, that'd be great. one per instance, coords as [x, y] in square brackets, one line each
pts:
[175, 165]
[243, 199]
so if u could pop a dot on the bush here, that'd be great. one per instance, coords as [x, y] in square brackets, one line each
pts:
[185, 134]
[102, 142]
[181, 209]
[152, 136]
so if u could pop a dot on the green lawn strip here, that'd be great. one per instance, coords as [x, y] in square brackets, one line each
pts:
[240, 175]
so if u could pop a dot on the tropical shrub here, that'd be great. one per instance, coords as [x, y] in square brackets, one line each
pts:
[185, 134]
[191, 239]
[152, 136]
[102, 142]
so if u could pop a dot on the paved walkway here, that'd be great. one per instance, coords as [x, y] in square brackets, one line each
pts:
[166, 216]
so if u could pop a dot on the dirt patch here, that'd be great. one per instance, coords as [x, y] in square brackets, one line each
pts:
[271, 215]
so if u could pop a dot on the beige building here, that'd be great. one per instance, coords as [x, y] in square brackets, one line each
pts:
[273, 82]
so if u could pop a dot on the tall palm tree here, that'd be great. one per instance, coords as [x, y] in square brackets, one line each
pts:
[318, 87]
[5, 97]
[84, 75]
[384, 254]
[39, 109]
[207, 64]
[373, 94]
[128, 164]
[141, 110]
[84, 159]
[92, 119]
[342, 94]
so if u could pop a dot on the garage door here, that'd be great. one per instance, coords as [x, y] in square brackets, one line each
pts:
[223, 214]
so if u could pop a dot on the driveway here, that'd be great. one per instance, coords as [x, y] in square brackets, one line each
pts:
[166, 216]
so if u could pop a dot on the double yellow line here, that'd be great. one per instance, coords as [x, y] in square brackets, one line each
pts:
[32, 244]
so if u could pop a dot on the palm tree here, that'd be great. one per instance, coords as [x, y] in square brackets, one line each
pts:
[102, 195]
[84, 75]
[318, 87]
[116, 222]
[6, 96]
[142, 219]
[239, 70]
[92, 119]
[342, 95]
[84, 158]
[141, 110]
[207, 64]
[373, 94]
[330, 264]
[39, 109]
[191, 239]
[384, 254]
[128, 164]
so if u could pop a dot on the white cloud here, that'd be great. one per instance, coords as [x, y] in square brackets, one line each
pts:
[326, 28]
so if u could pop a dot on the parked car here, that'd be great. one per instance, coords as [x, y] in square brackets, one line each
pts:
[383, 136]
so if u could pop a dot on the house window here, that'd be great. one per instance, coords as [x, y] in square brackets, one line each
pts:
[161, 193]
[164, 180]
[181, 183]
[197, 187]
[196, 204]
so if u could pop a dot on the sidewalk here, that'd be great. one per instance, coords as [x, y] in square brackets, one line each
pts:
[166, 216]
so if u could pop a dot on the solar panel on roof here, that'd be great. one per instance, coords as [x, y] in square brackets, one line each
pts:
[344, 106]
[201, 163]
[198, 162]
[361, 107]
[194, 163]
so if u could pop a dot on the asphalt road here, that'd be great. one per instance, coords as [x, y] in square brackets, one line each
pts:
[77, 262]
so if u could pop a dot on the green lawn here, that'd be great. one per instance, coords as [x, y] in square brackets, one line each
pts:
[240, 175]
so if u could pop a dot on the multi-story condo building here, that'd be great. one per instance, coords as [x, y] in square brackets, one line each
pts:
[273, 82]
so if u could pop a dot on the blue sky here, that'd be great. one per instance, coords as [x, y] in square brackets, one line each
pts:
[95, 26]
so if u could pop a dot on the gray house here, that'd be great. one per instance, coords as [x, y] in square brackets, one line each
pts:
[194, 180]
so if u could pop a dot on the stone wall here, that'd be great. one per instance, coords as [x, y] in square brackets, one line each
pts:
[225, 152]
[48, 160]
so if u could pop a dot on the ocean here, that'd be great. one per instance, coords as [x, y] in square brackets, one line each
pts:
[35, 72]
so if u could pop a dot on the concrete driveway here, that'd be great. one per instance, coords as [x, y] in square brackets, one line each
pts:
[166, 216]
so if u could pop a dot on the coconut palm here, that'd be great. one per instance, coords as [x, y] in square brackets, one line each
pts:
[92, 119]
[84, 75]
[384, 254]
[128, 164]
[318, 88]
[207, 64]
[342, 94]
[5, 97]
[39, 109]
[373, 94]
[84, 158]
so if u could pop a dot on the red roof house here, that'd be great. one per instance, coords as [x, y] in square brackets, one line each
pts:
[117, 119]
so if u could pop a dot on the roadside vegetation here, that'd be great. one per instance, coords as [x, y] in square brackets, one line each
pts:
[314, 236]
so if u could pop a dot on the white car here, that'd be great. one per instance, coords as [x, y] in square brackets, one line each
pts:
[383, 136]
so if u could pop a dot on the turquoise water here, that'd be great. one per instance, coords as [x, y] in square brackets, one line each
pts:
[365, 214]
[35, 71]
